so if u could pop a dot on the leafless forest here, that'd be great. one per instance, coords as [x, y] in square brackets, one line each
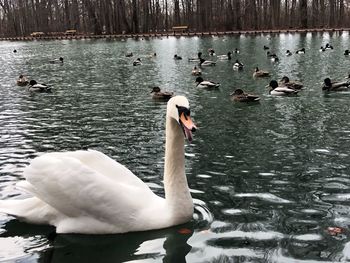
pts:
[21, 17]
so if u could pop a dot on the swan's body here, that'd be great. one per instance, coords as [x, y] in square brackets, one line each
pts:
[88, 192]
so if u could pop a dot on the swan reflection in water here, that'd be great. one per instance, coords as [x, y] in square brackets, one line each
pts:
[167, 245]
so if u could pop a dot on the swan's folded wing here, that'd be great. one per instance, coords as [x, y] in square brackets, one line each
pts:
[76, 190]
[103, 164]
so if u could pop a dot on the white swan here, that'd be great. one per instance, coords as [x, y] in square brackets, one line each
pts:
[88, 192]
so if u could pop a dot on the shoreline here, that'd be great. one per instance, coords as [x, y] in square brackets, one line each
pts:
[176, 34]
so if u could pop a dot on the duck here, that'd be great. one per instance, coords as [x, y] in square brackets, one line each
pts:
[328, 85]
[272, 56]
[36, 87]
[197, 59]
[225, 57]
[266, 47]
[322, 49]
[176, 57]
[280, 91]
[288, 53]
[59, 60]
[260, 73]
[206, 84]
[87, 192]
[204, 62]
[291, 84]
[240, 96]
[196, 71]
[300, 51]
[157, 94]
[346, 52]
[328, 46]
[22, 81]
[236, 51]
[137, 62]
[129, 54]
[238, 65]
[211, 52]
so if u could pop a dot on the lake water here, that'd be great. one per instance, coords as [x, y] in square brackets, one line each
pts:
[268, 179]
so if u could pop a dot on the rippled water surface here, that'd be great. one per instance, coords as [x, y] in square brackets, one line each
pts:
[268, 179]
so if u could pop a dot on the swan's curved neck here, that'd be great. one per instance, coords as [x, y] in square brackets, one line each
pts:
[177, 193]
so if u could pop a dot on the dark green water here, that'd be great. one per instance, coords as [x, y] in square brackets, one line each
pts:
[268, 179]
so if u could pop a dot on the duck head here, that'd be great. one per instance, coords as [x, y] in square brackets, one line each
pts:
[256, 69]
[199, 79]
[155, 90]
[327, 82]
[273, 84]
[178, 108]
[285, 79]
[32, 82]
[238, 92]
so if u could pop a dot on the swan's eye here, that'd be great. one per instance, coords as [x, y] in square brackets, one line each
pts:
[183, 110]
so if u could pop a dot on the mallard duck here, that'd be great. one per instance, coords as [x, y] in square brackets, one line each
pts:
[88, 192]
[196, 71]
[238, 65]
[266, 47]
[290, 84]
[272, 56]
[157, 94]
[260, 73]
[335, 86]
[137, 62]
[280, 91]
[129, 54]
[176, 57]
[59, 60]
[36, 87]
[288, 53]
[211, 52]
[22, 81]
[300, 51]
[197, 59]
[328, 46]
[322, 49]
[346, 52]
[204, 62]
[225, 57]
[240, 96]
[236, 51]
[206, 84]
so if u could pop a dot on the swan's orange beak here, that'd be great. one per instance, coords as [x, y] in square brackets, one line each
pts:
[187, 125]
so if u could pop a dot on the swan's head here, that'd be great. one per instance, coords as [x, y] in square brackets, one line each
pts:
[179, 109]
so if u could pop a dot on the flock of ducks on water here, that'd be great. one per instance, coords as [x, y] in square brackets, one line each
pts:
[285, 87]
[33, 85]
